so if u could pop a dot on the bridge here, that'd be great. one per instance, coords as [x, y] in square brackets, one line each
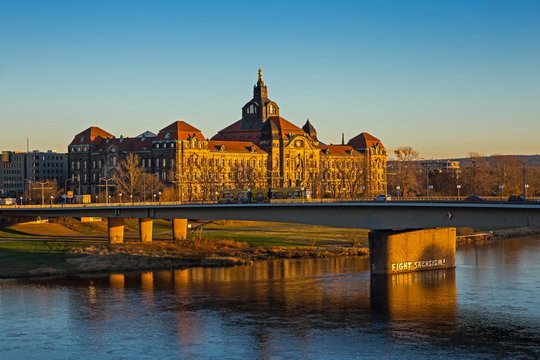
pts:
[405, 236]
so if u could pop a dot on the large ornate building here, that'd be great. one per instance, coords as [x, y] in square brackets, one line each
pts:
[262, 149]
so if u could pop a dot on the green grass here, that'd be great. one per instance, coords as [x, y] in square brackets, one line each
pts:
[296, 235]
[7, 232]
[22, 256]
[233, 224]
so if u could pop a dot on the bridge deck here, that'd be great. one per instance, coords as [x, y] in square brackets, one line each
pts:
[366, 215]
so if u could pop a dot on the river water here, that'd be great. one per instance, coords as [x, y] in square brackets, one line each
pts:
[488, 307]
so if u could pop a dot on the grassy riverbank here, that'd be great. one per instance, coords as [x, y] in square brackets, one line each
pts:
[33, 257]
[33, 250]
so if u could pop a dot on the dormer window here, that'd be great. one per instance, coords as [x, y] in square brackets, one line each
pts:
[252, 109]
[271, 109]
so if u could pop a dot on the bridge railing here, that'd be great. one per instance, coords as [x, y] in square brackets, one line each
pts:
[490, 199]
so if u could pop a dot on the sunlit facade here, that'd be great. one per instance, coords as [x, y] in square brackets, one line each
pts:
[262, 149]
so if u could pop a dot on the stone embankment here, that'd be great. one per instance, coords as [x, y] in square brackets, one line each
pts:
[490, 236]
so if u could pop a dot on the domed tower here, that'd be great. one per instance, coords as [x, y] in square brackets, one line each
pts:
[310, 130]
[260, 108]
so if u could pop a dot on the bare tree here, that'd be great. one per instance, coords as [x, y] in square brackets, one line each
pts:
[407, 172]
[127, 175]
[245, 176]
[148, 186]
[42, 191]
[209, 180]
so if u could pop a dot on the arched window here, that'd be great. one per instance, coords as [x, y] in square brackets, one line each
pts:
[271, 109]
[252, 109]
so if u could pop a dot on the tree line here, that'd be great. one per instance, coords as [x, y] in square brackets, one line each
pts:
[495, 175]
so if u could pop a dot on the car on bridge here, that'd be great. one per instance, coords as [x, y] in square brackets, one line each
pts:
[516, 198]
[474, 198]
[382, 198]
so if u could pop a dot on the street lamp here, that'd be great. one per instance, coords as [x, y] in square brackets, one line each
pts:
[120, 194]
[430, 187]
[397, 191]
[458, 188]
[106, 187]
[501, 187]
[159, 195]
[526, 187]
[52, 197]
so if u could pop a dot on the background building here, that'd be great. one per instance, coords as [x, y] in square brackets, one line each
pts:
[19, 171]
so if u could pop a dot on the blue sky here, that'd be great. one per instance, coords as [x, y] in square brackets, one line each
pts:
[445, 77]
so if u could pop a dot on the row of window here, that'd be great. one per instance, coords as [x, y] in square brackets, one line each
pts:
[12, 178]
[12, 185]
[6, 165]
[47, 157]
[48, 171]
[16, 171]
[47, 165]
[336, 163]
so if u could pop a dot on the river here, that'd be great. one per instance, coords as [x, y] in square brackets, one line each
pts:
[488, 307]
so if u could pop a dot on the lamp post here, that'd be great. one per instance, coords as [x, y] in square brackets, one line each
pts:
[52, 197]
[458, 188]
[397, 191]
[501, 187]
[430, 187]
[120, 194]
[42, 183]
[106, 188]
[526, 187]
[159, 195]
[131, 199]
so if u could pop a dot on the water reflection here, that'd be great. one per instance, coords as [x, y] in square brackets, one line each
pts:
[285, 308]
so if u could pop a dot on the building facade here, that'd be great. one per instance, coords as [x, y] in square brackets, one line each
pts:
[262, 149]
[21, 171]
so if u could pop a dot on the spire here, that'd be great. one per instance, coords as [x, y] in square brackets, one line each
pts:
[260, 80]
[260, 90]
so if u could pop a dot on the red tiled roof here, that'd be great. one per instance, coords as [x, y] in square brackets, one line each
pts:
[180, 126]
[338, 149]
[234, 146]
[88, 135]
[234, 132]
[285, 124]
[179, 130]
[364, 141]
[123, 144]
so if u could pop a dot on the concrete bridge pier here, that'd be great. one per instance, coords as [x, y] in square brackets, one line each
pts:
[179, 229]
[398, 251]
[145, 229]
[116, 230]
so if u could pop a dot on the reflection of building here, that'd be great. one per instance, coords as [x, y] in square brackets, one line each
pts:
[18, 169]
[261, 149]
